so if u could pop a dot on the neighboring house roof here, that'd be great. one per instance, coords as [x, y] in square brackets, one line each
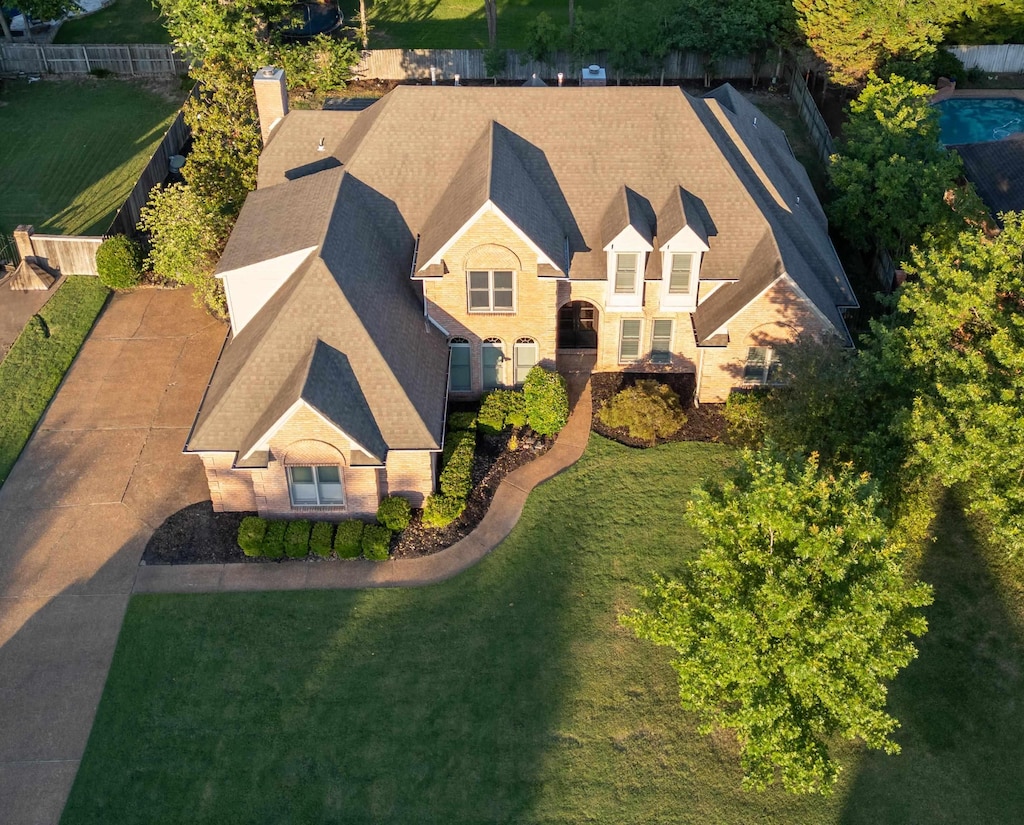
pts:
[996, 169]
[345, 334]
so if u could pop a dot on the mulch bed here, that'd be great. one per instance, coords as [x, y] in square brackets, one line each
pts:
[703, 423]
[198, 535]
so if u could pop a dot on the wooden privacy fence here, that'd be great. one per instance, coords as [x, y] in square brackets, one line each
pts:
[127, 59]
[71, 254]
[415, 64]
[1008, 59]
[809, 114]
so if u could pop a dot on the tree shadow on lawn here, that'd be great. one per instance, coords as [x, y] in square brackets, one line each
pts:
[959, 703]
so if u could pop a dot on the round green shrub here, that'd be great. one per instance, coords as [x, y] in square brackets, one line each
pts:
[296, 539]
[321, 537]
[441, 510]
[273, 539]
[648, 411]
[348, 540]
[376, 542]
[119, 262]
[547, 401]
[250, 535]
[394, 513]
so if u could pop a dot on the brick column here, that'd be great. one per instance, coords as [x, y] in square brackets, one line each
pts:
[23, 240]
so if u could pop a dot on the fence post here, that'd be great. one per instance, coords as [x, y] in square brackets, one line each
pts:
[85, 57]
[42, 59]
[131, 65]
[23, 240]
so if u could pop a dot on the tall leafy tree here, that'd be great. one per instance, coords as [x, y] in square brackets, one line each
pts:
[963, 336]
[787, 627]
[891, 173]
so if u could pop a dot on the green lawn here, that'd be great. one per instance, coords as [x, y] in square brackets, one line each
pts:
[126, 21]
[33, 369]
[511, 695]
[73, 149]
[455, 24]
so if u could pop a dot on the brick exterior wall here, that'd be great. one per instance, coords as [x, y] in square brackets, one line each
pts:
[777, 317]
[306, 439]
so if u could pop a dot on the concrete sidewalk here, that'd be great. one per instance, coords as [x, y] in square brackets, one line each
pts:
[102, 470]
[501, 517]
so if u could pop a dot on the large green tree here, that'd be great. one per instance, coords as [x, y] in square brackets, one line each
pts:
[962, 334]
[891, 173]
[787, 627]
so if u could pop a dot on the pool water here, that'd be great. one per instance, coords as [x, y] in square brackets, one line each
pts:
[976, 120]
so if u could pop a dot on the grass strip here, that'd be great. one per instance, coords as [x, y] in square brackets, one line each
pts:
[35, 366]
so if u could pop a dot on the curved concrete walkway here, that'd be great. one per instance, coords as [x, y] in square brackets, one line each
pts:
[501, 517]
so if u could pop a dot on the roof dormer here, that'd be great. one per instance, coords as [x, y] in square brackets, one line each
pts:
[687, 229]
[627, 233]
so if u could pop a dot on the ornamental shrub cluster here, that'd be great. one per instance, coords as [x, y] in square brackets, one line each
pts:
[119, 262]
[296, 539]
[500, 409]
[456, 481]
[547, 401]
[394, 513]
[376, 542]
[647, 411]
[348, 540]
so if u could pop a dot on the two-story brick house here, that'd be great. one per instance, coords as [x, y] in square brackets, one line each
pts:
[444, 240]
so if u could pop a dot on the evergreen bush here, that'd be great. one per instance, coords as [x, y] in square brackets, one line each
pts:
[119, 262]
[456, 478]
[296, 539]
[273, 539]
[348, 539]
[250, 535]
[461, 421]
[376, 542]
[547, 401]
[441, 510]
[394, 513]
[320, 538]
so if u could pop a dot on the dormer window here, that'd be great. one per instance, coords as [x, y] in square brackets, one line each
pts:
[625, 273]
[679, 277]
[679, 280]
[625, 280]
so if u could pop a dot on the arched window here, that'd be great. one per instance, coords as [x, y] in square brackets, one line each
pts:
[493, 353]
[524, 356]
[460, 375]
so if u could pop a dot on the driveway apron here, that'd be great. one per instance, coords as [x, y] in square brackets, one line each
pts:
[102, 471]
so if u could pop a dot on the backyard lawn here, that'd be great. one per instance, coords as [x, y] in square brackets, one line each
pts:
[510, 694]
[126, 21]
[73, 149]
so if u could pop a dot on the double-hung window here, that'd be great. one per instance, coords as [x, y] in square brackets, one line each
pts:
[629, 340]
[679, 274]
[661, 341]
[461, 376]
[315, 486]
[763, 366]
[491, 290]
[625, 273]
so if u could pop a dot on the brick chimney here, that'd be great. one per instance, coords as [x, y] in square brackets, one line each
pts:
[271, 98]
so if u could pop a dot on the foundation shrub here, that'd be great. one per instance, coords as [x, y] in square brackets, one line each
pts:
[250, 535]
[745, 418]
[296, 539]
[376, 542]
[441, 510]
[320, 538]
[648, 411]
[456, 478]
[394, 513]
[273, 539]
[501, 409]
[546, 401]
[461, 421]
[348, 540]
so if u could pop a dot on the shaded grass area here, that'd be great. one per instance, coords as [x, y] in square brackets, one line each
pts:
[783, 112]
[510, 694]
[125, 21]
[73, 149]
[35, 366]
[456, 24]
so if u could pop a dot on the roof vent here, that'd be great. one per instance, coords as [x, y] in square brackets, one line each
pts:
[593, 75]
[320, 145]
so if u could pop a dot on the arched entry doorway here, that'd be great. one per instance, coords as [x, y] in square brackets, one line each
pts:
[577, 326]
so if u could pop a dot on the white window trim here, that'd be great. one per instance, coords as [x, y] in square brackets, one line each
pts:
[619, 301]
[671, 339]
[316, 483]
[524, 341]
[679, 301]
[500, 346]
[639, 345]
[490, 293]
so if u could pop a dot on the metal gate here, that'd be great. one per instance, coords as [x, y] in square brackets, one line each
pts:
[9, 257]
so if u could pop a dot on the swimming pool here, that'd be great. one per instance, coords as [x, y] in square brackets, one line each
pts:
[977, 120]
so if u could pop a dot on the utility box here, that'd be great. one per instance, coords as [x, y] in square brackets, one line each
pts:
[593, 75]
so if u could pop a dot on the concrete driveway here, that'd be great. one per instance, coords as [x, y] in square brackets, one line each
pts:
[101, 472]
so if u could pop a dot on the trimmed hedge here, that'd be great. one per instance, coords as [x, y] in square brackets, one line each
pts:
[394, 513]
[501, 409]
[456, 478]
[296, 539]
[250, 535]
[273, 539]
[119, 262]
[348, 540]
[320, 538]
[547, 401]
[441, 510]
[461, 421]
[376, 542]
